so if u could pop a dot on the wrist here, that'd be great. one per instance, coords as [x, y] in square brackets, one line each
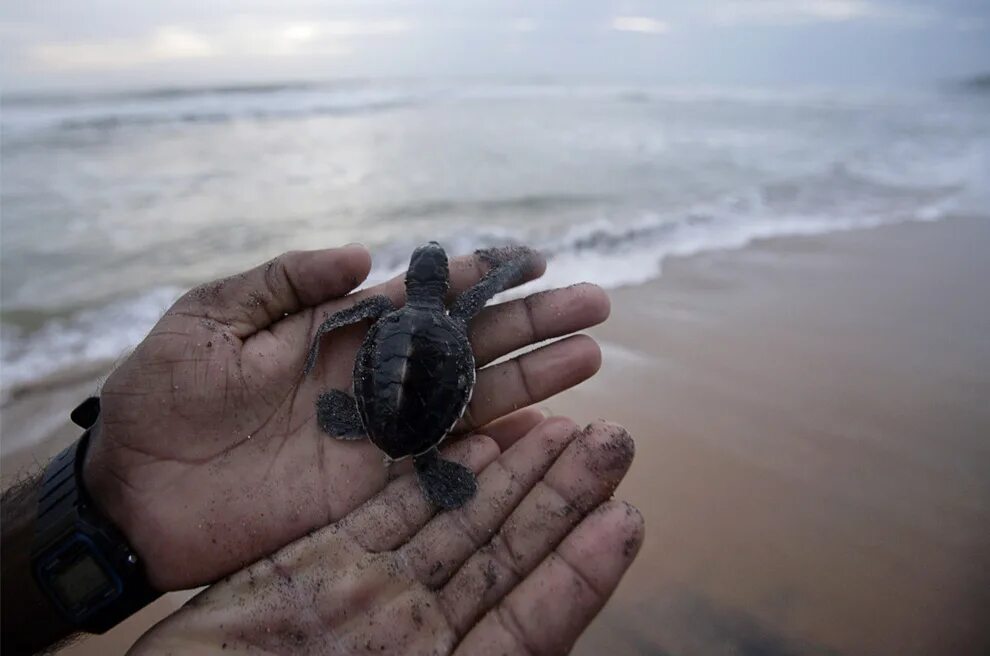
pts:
[108, 492]
[102, 483]
[30, 621]
[80, 559]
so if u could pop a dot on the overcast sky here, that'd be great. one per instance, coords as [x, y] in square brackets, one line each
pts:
[147, 43]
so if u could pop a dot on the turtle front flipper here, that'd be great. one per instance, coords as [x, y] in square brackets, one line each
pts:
[509, 267]
[370, 308]
[447, 484]
[337, 415]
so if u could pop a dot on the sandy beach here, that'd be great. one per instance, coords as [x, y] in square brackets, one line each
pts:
[812, 432]
[812, 429]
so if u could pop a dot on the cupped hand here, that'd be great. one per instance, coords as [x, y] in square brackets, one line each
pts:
[208, 455]
[522, 568]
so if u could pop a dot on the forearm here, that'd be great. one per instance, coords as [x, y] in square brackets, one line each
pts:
[30, 623]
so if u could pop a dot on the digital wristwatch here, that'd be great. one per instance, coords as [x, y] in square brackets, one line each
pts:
[79, 559]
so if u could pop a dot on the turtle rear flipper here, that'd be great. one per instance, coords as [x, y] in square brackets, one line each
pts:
[447, 484]
[337, 415]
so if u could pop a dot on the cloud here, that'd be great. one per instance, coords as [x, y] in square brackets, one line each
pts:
[118, 43]
[241, 36]
[797, 12]
[641, 24]
[164, 44]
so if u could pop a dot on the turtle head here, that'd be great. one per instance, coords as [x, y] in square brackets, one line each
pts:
[428, 277]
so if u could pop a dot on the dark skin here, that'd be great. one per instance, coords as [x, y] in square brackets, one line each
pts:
[207, 455]
[521, 568]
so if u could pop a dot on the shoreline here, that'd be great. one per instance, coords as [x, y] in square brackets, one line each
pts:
[808, 413]
[90, 375]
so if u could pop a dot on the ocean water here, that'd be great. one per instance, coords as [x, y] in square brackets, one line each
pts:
[112, 205]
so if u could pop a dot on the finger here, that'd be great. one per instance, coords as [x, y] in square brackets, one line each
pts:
[583, 477]
[439, 549]
[530, 378]
[252, 301]
[396, 514]
[506, 327]
[547, 612]
[508, 430]
[465, 271]
[400, 510]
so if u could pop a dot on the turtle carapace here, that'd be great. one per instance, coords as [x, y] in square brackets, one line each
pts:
[415, 370]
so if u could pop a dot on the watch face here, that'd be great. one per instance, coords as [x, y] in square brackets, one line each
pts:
[77, 577]
[81, 579]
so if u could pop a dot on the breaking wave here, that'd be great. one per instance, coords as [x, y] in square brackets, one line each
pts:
[604, 251]
[702, 171]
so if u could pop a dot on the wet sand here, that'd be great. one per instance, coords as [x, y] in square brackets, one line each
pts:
[812, 419]
[813, 448]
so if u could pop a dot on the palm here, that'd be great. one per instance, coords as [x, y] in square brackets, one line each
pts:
[522, 568]
[208, 455]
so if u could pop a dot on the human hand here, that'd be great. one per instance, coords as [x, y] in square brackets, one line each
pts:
[207, 454]
[522, 568]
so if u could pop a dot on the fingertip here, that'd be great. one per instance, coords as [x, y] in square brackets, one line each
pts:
[556, 433]
[610, 430]
[580, 355]
[591, 354]
[634, 519]
[509, 429]
[475, 451]
[532, 415]
[559, 423]
[597, 301]
[606, 542]
[597, 461]
[358, 257]
[538, 264]
[630, 526]
[321, 275]
[576, 307]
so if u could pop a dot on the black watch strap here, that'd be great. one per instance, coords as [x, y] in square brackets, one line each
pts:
[70, 532]
[59, 501]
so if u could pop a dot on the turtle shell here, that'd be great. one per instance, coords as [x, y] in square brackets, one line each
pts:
[413, 378]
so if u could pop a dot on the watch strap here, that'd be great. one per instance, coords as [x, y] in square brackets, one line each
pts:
[65, 513]
[86, 413]
[59, 502]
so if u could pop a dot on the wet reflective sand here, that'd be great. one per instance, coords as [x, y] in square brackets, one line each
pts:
[813, 447]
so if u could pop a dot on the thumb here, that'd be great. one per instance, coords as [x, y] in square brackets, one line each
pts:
[252, 301]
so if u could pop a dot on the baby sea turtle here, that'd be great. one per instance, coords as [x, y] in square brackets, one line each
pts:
[414, 372]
